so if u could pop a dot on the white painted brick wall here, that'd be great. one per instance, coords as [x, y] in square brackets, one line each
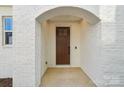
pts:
[6, 53]
[24, 45]
[108, 39]
[112, 45]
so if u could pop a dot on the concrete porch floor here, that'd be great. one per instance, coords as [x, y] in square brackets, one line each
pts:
[66, 77]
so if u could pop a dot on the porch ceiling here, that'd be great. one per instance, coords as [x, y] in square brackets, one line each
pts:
[65, 18]
[71, 11]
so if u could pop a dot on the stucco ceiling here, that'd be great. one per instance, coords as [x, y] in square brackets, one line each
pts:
[71, 11]
[65, 18]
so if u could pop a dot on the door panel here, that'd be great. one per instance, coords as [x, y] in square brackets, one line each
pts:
[62, 45]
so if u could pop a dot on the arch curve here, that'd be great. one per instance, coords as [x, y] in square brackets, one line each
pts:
[69, 10]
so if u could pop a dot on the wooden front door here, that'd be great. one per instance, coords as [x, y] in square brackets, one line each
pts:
[62, 45]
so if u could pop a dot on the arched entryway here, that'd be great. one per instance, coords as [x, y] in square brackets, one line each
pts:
[59, 35]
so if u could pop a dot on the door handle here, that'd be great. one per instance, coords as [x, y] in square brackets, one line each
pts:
[68, 50]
